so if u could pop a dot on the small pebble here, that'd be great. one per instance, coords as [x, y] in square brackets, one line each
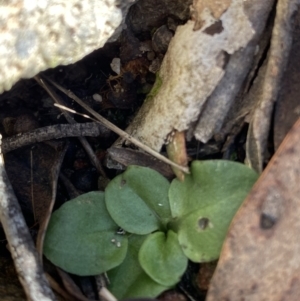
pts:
[151, 55]
[155, 65]
[97, 97]
[161, 39]
[116, 65]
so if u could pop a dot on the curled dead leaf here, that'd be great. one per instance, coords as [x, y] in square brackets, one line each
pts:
[176, 150]
[260, 257]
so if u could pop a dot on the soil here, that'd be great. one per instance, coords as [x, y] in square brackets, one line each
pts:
[116, 95]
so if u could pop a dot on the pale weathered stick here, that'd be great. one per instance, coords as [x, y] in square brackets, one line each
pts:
[107, 295]
[23, 252]
[117, 130]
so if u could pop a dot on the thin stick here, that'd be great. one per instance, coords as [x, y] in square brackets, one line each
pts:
[107, 295]
[71, 120]
[90, 129]
[269, 83]
[31, 186]
[23, 252]
[117, 130]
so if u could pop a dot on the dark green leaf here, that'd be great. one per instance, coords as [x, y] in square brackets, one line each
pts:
[81, 237]
[129, 280]
[162, 258]
[137, 200]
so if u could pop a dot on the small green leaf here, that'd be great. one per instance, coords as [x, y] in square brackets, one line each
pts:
[205, 204]
[162, 258]
[201, 234]
[210, 182]
[128, 280]
[137, 200]
[81, 237]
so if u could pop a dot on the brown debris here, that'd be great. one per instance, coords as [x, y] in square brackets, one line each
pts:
[23, 252]
[205, 274]
[270, 83]
[53, 132]
[176, 150]
[287, 109]
[260, 256]
[126, 156]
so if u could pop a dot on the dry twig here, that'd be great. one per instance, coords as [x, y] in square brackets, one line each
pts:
[117, 130]
[270, 83]
[71, 120]
[91, 129]
[24, 254]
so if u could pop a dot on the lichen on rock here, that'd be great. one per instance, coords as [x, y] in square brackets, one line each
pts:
[39, 34]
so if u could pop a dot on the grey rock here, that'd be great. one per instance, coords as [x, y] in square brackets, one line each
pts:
[39, 34]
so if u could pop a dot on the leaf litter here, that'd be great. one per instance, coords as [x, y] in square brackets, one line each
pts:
[209, 124]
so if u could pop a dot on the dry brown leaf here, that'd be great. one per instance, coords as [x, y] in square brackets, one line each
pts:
[33, 173]
[260, 257]
[271, 82]
[176, 150]
[205, 274]
[53, 165]
[119, 158]
[71, 286]
[30, 171]
[288, 101]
